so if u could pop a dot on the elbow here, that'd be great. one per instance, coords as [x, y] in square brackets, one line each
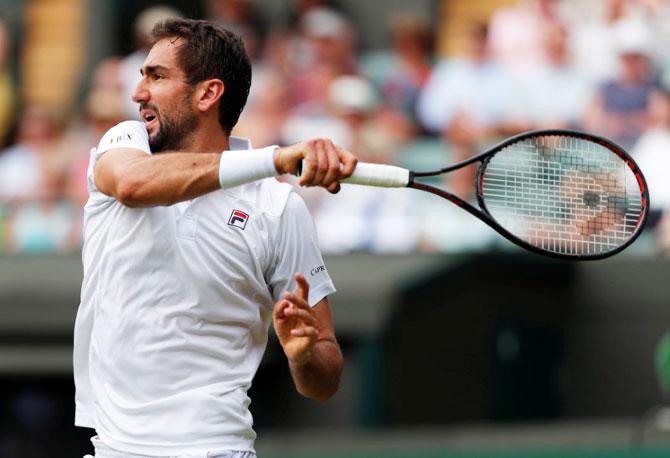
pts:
[139, 194]
[328, 386]
[327, 395]
[128, 193]
[324, 394]
[333, 387]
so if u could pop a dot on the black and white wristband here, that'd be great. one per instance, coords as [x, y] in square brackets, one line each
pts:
[240, 167]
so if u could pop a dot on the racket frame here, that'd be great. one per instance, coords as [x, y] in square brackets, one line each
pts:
[483, 213]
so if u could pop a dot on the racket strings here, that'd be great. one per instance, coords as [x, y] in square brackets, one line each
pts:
[563, 194]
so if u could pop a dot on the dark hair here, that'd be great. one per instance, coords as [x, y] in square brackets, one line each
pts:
[210, 51]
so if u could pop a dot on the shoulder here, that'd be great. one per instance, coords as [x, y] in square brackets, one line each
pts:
[131, 127]
[126, 134]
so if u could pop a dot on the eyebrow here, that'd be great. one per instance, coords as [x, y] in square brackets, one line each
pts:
[152, 69]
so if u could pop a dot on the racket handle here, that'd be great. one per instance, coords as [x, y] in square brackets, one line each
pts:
[380, 175]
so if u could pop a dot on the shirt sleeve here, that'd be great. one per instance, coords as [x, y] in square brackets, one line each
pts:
[128, 134]
[297, 250]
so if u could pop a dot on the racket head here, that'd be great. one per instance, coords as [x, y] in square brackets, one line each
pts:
[562, 193]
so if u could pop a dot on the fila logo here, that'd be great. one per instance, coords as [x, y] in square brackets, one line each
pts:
[238, 219]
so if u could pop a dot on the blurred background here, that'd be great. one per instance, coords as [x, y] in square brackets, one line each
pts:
[456, 343]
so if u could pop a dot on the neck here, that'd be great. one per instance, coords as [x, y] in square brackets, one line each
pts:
[209, 138]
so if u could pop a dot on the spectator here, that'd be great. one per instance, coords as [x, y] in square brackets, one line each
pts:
[400, 73]
[6, 86]
[38, 227]
[315, 117]
[32, 168]
[266, 110]
[107, 77]
[329, 42]
[450, 229]
[464, 98]
[104, 107]
[371, 132]
[652, 154]
[517, 33]
[554, 95]
[620, 108]
[103, 110]
[129, 69]
[331, 38]
[302, 7]
[32, 184]
[326, 50]
[364, 218]
[240, 17]
[233, 14]
[593, 41]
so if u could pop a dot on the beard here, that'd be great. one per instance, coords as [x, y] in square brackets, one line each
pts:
[174, 129]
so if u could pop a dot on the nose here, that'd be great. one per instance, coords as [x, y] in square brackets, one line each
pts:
[140, 94]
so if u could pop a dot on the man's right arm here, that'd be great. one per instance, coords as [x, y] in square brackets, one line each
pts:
[139, 180]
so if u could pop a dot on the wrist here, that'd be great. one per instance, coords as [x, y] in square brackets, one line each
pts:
[276, 158]
[240, 167]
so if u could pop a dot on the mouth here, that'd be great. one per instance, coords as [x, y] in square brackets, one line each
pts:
[149, 117]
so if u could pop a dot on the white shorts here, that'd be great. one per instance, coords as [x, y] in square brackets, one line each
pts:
[103, 451]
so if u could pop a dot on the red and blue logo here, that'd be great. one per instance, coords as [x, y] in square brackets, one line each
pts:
[238, 219]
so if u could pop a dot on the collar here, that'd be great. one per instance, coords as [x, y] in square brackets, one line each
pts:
[239, 143]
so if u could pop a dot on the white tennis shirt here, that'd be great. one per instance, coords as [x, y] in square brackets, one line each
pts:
[175, 307]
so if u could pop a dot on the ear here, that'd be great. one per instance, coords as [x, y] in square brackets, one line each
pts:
[208, 93]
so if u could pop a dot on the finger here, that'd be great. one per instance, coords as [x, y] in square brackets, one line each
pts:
[333, 159]
[306, 331]
[349, 162]
[303, 286]
[303, 315]
[280, 309]
[334, 188]
[308, 166]
[322, 162]
[296, 300]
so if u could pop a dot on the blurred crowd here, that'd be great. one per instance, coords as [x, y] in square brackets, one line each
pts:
[535, 64]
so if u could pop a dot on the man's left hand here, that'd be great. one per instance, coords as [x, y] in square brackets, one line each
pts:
[295, 323]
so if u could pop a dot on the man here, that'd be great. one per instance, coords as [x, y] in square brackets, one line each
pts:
[188, 256]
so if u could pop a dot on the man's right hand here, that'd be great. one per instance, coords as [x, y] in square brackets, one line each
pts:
[323, 163]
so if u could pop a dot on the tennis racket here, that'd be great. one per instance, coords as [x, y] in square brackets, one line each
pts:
[560, 193]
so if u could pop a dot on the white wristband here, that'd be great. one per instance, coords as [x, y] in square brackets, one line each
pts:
[239, 167]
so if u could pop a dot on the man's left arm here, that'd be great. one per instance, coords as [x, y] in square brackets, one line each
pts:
[307, 337]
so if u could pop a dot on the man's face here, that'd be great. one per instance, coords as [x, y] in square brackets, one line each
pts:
[165, 99]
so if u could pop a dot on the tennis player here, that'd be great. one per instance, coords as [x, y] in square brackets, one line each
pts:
[191, 250]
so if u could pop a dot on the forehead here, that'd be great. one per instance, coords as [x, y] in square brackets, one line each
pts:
[164, 53]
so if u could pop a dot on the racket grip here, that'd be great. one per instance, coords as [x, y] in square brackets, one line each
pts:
[380, 175]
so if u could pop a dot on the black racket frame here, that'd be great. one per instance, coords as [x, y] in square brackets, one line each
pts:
[483, 214]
